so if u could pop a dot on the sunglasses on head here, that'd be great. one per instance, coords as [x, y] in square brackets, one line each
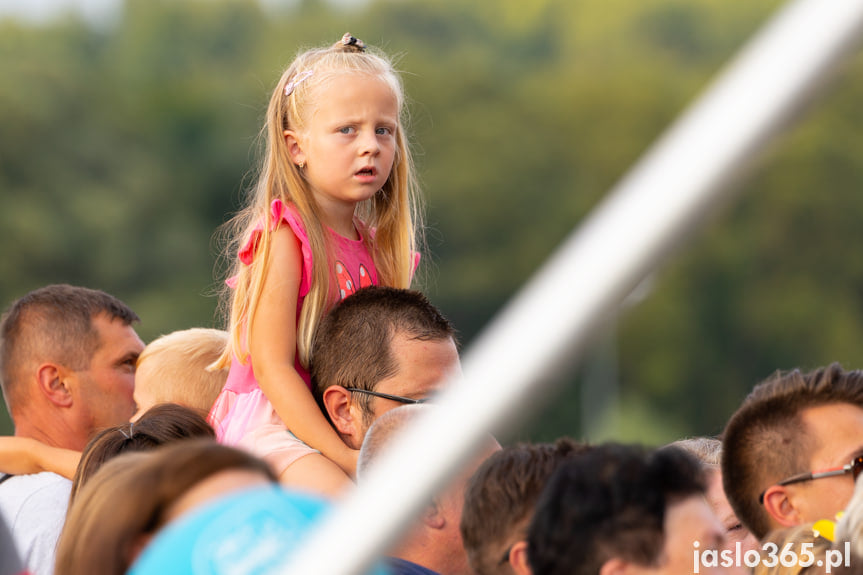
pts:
[854, 468]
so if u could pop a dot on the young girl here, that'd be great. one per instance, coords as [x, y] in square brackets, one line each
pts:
[333, 210]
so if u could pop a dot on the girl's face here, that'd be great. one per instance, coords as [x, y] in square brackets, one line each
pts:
[349, 144]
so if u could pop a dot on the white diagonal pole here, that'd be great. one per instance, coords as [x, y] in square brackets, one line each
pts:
[665, 195]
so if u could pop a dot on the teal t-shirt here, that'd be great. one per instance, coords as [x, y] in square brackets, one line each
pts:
[246, 533]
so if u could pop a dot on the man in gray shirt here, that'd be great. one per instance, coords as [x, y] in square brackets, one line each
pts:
[67, 369]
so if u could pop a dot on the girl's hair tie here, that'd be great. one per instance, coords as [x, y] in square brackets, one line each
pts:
[348, 40]
[298, 79]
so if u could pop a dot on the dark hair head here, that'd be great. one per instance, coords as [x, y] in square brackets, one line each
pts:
[159, 425]
[765, 440]
[53, 323]
[609, 502]
[352, 342]
[501, 495]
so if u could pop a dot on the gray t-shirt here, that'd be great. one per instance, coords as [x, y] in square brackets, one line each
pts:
[34, 508]
[10, 564]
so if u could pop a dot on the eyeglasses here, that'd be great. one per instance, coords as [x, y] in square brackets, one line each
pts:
[398, 398]
[854, 468]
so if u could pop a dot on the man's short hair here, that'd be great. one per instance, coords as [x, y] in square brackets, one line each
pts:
[765, 440]
[175, 366]
[609, 502]
[352, 345]
[501, 496]
[53, 324]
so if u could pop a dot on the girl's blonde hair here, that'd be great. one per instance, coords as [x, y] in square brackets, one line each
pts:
[393, 212]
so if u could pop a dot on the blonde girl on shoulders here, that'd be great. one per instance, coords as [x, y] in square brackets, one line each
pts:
[334, 209]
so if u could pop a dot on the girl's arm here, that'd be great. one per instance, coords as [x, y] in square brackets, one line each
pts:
[273, 345]
[23, 455]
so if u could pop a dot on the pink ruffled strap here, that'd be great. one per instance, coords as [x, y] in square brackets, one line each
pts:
[280, 212]
[416, 263]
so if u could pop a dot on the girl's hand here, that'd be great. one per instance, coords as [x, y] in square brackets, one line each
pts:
[18, 456]
[23, 456]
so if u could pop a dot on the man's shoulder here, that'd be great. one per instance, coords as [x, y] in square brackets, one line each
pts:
[34, 507]
[398, 566]
[45, 481]
[38, 490]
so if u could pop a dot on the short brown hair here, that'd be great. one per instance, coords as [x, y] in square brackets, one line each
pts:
[501, 496]
[53, 323]
[174, 367]
[352, 346]
[765, 440]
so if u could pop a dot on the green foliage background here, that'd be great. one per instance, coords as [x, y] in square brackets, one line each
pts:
[123, 147]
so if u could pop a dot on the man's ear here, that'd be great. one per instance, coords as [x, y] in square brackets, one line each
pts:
[433, 515]
[780, 506]
[518, 558]
[295, 149]
[337, 402]
[53, 382]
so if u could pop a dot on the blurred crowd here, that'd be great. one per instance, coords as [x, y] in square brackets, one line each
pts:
[115, 468]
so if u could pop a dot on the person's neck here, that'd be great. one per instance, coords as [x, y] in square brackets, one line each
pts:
[340, 219]
[423, 549]
[54, 434]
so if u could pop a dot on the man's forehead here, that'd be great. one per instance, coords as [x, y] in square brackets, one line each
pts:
[835, 430]
[410, 387]
[116, 336]
[406, 349]
[423, 366]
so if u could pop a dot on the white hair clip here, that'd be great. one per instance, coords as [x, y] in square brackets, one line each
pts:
[298, 79]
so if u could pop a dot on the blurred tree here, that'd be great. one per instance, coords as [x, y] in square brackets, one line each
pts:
[123, 148]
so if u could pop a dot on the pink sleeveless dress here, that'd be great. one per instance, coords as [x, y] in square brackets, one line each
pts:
[241, 415]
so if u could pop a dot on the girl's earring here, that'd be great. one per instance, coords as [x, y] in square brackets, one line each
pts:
[302, 165]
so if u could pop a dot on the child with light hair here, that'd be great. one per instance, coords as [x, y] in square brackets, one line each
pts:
[173, 369]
